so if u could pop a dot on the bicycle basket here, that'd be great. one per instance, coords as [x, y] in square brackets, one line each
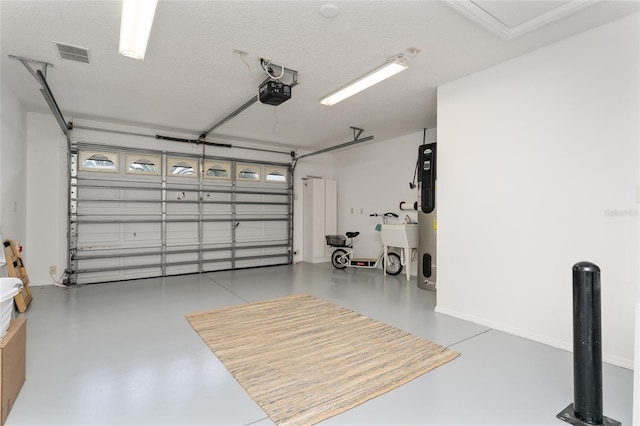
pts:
[336, 240]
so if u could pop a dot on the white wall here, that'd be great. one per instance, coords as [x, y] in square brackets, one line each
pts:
[13, 137]
[46, 179]
[538, 166]
[374, 177]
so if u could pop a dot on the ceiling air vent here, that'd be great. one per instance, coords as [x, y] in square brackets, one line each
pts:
[73, 53]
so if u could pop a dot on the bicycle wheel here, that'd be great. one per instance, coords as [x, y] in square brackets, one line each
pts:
[339, 259]
[394, 266]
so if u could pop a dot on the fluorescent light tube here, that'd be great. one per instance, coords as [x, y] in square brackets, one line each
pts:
[374, 77]
[135, 27]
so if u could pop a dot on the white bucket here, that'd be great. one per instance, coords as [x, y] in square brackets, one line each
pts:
[9, 287]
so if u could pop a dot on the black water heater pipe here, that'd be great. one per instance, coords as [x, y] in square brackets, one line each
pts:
[587, 349]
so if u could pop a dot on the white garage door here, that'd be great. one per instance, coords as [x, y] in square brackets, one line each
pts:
[142, 213]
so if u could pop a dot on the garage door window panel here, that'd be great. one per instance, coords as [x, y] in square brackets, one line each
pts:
[217, 170]
[91, 161]
[248, 172]
[183, 167]
[276, 175]
[143, 165]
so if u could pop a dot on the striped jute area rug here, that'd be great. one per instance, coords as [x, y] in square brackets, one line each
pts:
[303, 359]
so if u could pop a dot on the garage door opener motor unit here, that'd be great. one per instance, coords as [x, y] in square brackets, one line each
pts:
[274, 92]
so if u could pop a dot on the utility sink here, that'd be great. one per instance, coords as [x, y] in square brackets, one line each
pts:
[401, 235]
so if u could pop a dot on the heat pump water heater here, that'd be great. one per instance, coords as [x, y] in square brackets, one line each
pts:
[427, 221]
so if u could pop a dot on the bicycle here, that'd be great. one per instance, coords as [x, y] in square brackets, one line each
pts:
[342, 257]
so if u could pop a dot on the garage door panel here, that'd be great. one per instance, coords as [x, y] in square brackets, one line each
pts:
[91, 278]
[142, 260]
[144, 210]
[182, 269]
[98, 234]
[252, 263]
[216, 232]
[182, 233]
[140, 273]
[101, 270]
[139, 194]
[217, 194]
[216, 209]
[182, 196]
[275, 229]
[262, 252]
[109, 265]
[249, 209]
[93, 192]
[253, 198]
[217, 266]
[120, 275]
[248, 231]
[217, 254]
[275, 209]
[216, 251]
[136, 233]
[182, 257]
[140, 208]
[97, 206]
[261, 231]
[182, 208]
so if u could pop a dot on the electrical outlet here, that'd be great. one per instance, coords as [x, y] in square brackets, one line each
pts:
[53, 270]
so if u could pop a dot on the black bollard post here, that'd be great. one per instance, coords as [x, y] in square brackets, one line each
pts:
[587, 350]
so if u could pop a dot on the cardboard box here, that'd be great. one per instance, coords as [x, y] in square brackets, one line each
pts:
[13, 362]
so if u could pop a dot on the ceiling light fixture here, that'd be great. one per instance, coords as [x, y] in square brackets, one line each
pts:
[135, 27]
[391, 68]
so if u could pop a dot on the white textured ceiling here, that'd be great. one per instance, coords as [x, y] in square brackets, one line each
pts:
[191, 77]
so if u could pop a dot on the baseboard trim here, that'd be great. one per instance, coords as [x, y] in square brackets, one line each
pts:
[556, 343]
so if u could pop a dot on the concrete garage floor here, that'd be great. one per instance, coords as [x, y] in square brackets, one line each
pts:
[123, 354]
